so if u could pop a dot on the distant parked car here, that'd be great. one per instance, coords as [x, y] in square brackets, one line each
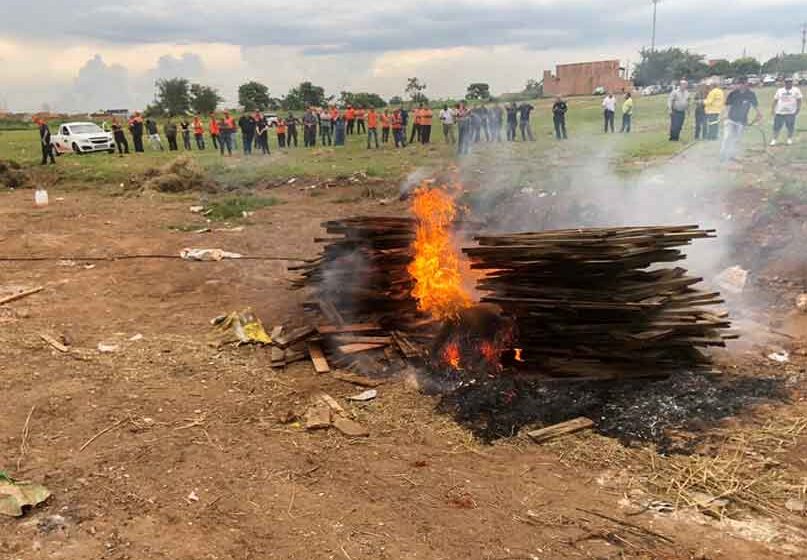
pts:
[599, 90]
[82, 138]
[754, 80]
[652, 90]
[769, 80]
[727, 82]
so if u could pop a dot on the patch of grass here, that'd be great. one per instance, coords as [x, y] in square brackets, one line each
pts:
[233, 207]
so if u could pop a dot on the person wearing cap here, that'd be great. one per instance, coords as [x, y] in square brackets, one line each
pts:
[786, 108]
[45, 142]
[738, 105]
[677, 105]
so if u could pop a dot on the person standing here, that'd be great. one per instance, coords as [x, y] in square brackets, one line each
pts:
[171, 130]
[154, 135]
[465, 129]
[248, 126]
[786, 108]
[524, 121]
[280, 128]
[496, 117]
[262, 134]
[120, 137]
[627, 113]
[404, 124]
[360, 121]
[199, 132]
[339, 129]
[739, 104]
[372, 127]
[227, 130]
[608, 111]
[398, 130]
[426, 116]
[350, 118]
[291, 134]
[447, 117]
[700, 112]
[713, 107]
[415, 125]
[309, 129]
[215, 131]
[185, 126]
[484, 116]
[325, 126]
[385, 126]
[45, 142]
[559, 109]
[677, 105]
[136, 130]
[512, 121]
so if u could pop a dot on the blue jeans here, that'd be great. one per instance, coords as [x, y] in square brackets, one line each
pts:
[732, 134]
[226, 141]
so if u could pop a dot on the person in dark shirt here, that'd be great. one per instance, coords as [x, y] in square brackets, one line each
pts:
[136, 130]
[404, 124]
[185, 126]
[120, 137]
[291, 130]
[154, 135]
[739, 104]
[170, 130]
[261, 133]
[512, 121]
[559, 117]
[45, 142]
[247, 125]
[524, 111]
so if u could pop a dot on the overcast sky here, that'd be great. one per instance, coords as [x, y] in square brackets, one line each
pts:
[96, 54]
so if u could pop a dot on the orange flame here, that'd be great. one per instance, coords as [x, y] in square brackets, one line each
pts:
[519, 351]
[436, 265]
[451, 355]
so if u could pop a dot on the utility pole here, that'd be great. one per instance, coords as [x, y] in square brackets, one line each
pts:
[653, 40]
[803, 37]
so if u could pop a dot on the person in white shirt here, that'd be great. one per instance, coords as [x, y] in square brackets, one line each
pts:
[609, 110]
[786, 107]
[448, 117]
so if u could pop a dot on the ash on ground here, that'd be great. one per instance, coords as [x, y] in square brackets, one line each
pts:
[672, 413]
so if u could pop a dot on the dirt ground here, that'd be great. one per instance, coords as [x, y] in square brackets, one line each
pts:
[193, 458]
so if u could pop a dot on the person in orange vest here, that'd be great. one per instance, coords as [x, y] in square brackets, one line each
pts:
[350, 118]
[280, 126]
[385, 123]
[416, 124]
[397, 129]
[226, 132]
[372, 127]
[426, 124]
[334, 114]
[215, 130]
[198, 132]
[360, 128]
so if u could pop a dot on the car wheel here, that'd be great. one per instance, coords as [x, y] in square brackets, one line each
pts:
[76, 149]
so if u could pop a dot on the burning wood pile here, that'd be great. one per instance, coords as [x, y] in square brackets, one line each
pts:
[591, 303]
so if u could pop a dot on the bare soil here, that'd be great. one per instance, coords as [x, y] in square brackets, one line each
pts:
[195, 457]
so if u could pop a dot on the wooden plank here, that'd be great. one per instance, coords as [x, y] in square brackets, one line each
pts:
[350, 339]
[330, 312]
[558, 430]
[55, 343]
[292, 337]
[357, 348]
[354, 328]
[318, 358]
[20, 295]
[356, 379]
[278, 357]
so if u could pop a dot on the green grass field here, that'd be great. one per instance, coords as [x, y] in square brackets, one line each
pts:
[646, 144]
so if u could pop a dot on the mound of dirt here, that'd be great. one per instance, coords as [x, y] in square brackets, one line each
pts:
[180, 175]
[11, 174]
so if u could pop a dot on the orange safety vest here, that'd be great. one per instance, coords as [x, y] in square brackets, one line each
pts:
[334, 113]
[360, 114]
[230, 122]
[350, 114]
[372, 119]
[426, 117]
[281, 126]
[214, 127]
[397, 122]
[385, 118]
[198, 127]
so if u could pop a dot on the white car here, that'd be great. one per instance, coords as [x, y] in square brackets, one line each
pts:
[769, 80]
[82, 138]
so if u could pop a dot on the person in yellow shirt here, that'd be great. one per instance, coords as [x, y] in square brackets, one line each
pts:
[713, 107]
[627, 113]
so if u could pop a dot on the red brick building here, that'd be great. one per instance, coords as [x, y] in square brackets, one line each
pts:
[582, 78]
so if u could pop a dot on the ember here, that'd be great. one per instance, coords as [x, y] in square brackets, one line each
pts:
[436, 265]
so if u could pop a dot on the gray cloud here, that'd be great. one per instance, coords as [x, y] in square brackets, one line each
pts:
[97, 86]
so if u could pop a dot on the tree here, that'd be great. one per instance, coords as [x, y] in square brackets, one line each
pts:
[669, 65]
[414, 89]
[172, 97]
[478, 91]
[721, 67]
[534, 88]
[361, 99]
[303, 96]
[786, 64]
[204, 99]
[396, 100]
[746, 66]
[253, 96]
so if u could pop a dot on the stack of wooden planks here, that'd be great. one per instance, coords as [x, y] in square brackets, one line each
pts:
[593, 303]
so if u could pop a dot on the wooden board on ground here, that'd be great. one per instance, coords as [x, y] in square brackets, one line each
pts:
[356, 379]
[559, 430]
[356, 348]
[354, 328]
[318, 358]
[294, 336]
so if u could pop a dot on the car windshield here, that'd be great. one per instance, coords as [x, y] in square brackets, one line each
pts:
[85, 129]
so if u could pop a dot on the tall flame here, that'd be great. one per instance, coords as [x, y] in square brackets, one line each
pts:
[436, 265]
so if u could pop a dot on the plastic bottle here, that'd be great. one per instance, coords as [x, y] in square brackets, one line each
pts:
[41, 197]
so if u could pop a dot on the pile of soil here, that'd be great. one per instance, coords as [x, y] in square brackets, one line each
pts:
[11, 174]
[180, 175]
